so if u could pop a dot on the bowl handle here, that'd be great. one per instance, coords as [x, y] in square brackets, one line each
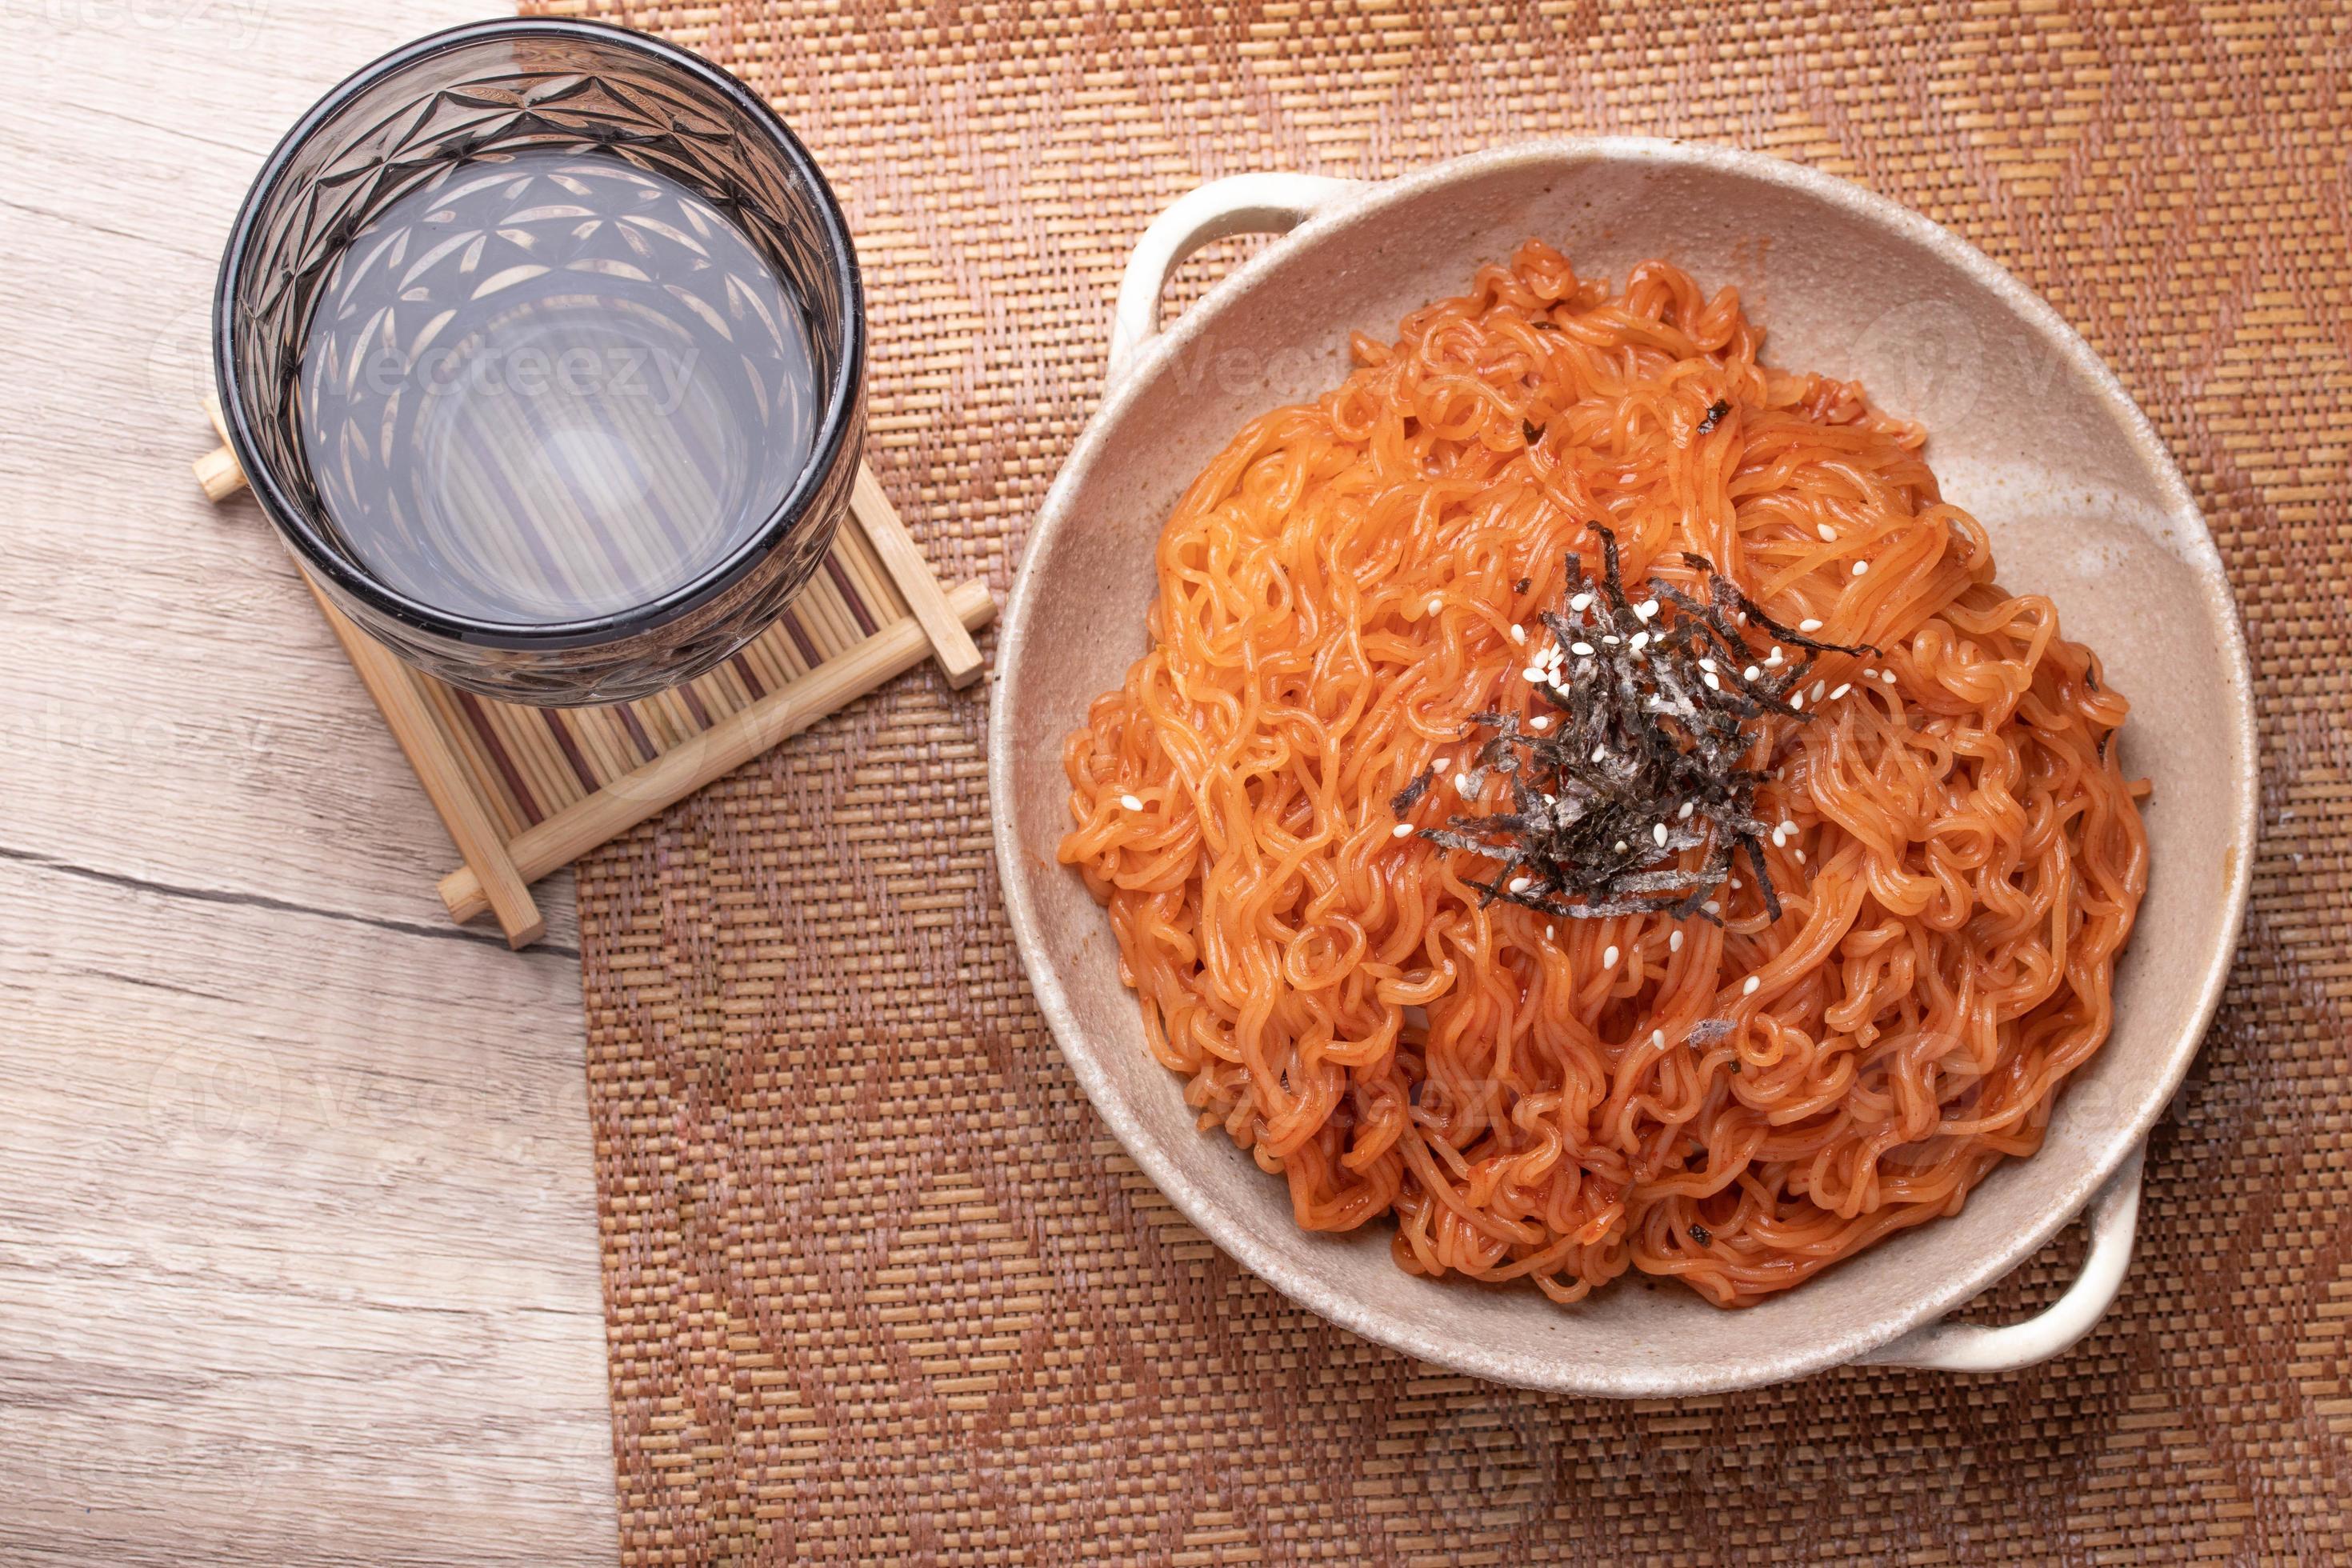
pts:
[1965, 1347]
[1241, 203]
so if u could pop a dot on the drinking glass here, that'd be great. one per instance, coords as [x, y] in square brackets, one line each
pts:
[462, 100]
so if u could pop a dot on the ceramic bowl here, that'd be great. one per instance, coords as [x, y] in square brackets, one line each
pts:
[2027, 429]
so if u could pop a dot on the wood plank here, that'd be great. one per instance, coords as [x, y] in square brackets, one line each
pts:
[299, 1259]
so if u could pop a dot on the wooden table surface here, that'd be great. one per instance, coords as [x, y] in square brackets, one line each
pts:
[297, 1246]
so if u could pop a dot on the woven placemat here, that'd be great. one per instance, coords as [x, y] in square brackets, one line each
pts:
[881, 1288]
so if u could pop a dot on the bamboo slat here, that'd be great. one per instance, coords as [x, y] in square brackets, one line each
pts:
[958, 657]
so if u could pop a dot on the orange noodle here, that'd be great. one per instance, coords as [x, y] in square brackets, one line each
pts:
[1728, 1098]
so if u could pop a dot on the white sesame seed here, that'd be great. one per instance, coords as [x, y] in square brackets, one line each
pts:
[1657, 1038]
[1736, 884]
[1675, 942]
[1800, 856]
[1751, 986]
[1772, 659]
[1868, 673]
[1646, 609]
[1844, 686]
[1582, 602]
[1825, 531]
[1620, 846]
[1130, 802]
[1540, 721]
[1580, 649]
[1520, 884]
[1550, 931]
[1611, 641]
[1707, 664]
[1641, 641]
[1609, 957]
[1751, 673]
[1534, 673]
[1887, 676]
[1713, 907]
[1684, 813]
[1599, 753]
[1712, 683]
[1860, 567]
[1402, 830]
[1810, 623]
[1798, 702]
[1435, 606]
[1816, 692]
[1658, 836]
[1462, 784]
[1518, 634]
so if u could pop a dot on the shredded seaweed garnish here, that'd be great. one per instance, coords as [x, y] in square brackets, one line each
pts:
[1655, 706]
[1406, 798]
[1701, 1235]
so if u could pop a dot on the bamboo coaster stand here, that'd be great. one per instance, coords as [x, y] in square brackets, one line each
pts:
[524, 791]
